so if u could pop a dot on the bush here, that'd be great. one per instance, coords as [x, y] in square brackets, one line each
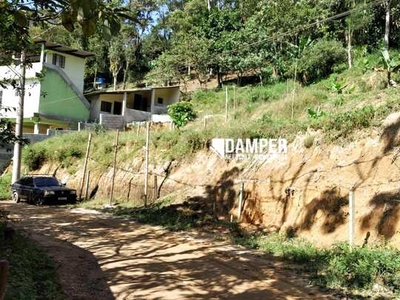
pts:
[319, 62]
[5, 182]
[339, 266]
[181, 113]
[362, 267]
[341, 125]
[33, 158]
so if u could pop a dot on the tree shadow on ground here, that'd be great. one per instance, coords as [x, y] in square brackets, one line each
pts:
[385, 214]
[143, 262]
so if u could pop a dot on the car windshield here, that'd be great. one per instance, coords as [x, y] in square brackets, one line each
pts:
[46, 181]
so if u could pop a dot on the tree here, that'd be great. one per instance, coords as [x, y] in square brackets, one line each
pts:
[115, 57]
[181, 113]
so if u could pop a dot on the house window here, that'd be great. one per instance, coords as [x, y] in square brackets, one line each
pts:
[59, 60]
[160, 100]
[106, 106]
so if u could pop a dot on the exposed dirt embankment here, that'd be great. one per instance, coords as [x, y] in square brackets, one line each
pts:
[304, 193]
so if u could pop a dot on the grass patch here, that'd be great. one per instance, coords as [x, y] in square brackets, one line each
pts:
[5, 190]
[32, 274]
[336, 267]
[260, 111]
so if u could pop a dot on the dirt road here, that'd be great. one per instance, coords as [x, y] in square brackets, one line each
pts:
[101, 257]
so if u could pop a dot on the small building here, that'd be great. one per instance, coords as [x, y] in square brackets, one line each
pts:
[53, 88]
[115, 109]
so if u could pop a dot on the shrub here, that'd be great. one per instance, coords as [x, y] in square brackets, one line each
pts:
[342, 124]
[33, 157]
[5, 182]
[319, 62]
[362, 267]
[181, 113]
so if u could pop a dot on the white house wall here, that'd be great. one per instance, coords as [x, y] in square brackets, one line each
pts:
[31, 102]
[10, 96]
[169, 96]
[74, 67]
[13, 72]
[96, 104]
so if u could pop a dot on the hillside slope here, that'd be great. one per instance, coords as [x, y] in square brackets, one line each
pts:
[339, 139]
[319, 179]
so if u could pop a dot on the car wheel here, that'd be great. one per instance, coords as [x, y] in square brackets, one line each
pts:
[38, 200]
[15, 197]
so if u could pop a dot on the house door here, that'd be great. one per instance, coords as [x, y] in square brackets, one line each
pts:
[140, 103]
[117, 108]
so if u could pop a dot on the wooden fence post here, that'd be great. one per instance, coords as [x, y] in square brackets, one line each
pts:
[85, 164]
[155, 187]
[114, 166]
[351, 218]
[226, 104]
[87, 185]
[239, 213]
[146, 175]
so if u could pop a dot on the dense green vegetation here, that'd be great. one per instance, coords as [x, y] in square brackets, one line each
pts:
[168, 41]
[5, 182]
[32, 274]
[357, 269]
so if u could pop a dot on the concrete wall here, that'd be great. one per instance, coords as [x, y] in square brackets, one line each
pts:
[161, 118]
[170, 95]
[132, 115]
[112, 121]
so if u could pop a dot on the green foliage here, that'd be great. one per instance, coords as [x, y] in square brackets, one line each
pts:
[339, 266]
[7, 134]
[361, 267]
[32, 274]
[320, 60]
[33, 157]
[5, 181]
[62, 149]
[315, 114]
[344, 123]
[181, 113]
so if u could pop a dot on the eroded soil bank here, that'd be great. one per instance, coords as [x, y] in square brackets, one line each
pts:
[304, 193]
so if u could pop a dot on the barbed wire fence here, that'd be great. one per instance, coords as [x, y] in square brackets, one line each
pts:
[162, 183]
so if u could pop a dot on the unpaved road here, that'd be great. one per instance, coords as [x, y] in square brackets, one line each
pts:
[101, 257]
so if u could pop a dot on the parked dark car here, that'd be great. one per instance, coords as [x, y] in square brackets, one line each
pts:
[41, 189]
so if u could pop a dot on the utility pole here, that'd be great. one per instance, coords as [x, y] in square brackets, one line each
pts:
[16, 171]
